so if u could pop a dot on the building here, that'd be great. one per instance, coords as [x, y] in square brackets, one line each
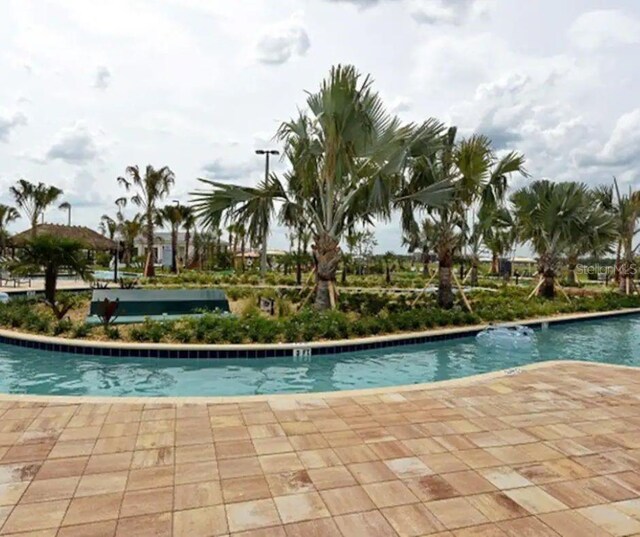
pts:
[162, 248]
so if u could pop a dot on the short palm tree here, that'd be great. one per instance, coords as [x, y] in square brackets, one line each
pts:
[108, 226]
[130, 230]
[51, 253]
[34, 199]
[421, 238]
[347, 154]
[8, 214]
[151, 188]
[551, 217]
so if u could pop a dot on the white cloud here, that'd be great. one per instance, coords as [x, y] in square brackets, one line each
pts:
[621, 149]
[282, 41]
[9, 122]
[73, 145]
[400, 104]
[453, 12]
[102, 78]
[222, 170]
[604, 28]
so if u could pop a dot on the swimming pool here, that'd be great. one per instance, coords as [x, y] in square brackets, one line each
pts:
[22, 370]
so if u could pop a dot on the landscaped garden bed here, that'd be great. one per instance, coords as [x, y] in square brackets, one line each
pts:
[357, 315]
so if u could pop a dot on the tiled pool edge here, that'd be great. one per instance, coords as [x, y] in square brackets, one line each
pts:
[300, 351]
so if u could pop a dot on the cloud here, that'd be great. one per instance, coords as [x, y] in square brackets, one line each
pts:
[604, 28]
[102, 78]
[280, 42]
[10, 122]
[452, 12]
[400, 104]
[73, 145]
[362, 4]
[621, 149]
[242, 172]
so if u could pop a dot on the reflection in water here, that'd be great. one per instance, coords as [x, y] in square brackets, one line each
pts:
[39, 372]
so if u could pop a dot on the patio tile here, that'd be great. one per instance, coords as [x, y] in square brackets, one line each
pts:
[93, 484]
[497, 506]
[535, 500]
[332, 477]
[158, 525]
[572, 524]
[93, 509]
[468, 482]
[320, 527]
[389, 493]
[432, 487]
[529, 527]
[341, 501]
[239, 489]
[251, 515]
[50, 489]
[202, 521]
[147, 502]
[456, 513]
[613, 520]
[299, 507]
[412, 520]
[503, 477]
[35, 516]
[94, 529]
[369, 524]
[408, 467]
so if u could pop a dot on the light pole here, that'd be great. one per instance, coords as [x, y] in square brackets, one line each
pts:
[263, 253]
[66, 205]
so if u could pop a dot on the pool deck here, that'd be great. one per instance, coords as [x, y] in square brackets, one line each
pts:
[550, 450]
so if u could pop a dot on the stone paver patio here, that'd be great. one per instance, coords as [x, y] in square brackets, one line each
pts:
[552, 451]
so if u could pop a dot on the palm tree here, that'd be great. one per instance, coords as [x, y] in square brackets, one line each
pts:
[151, 188]
[480, 182]
[172, 215]
[423, 238]
[52, 253]
[594, 235]
[8, 214]
[130, 230]
[34, 199]
[625, 211]
[66, 206]
[347, 154]
[188, 224]
[551, 216]
[108, 226]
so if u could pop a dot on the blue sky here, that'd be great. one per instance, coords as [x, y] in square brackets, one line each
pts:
[198, 85]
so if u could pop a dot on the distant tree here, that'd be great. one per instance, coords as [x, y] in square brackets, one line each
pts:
[34, 199]
[8, 214]
[151, 188]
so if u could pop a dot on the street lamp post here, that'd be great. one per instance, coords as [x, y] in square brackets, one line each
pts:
[263, 253]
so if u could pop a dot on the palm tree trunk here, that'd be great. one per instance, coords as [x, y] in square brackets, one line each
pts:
[50, 281]
[445, 290]
[327, 254]
[187, 240]
[474, 273]
[242, 249]
[616, 273]
[548, 287]
[299, 263]
[149, 267]
[425, 262]
[495, 265]
[572, 277]
[174, 249]
[263, 257]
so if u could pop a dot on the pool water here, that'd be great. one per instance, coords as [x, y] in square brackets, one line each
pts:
[614, 341]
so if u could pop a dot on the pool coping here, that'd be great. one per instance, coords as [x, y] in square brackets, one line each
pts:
[302, 352]
[309, 400]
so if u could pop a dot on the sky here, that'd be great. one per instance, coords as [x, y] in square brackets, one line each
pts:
[88, 88]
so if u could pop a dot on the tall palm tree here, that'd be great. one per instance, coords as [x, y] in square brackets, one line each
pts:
[8, 214]
[151, 188]
[347, 154]
[188, 224]
[108, 226]
[480, 182]
[66, 206]
[130, 230]
[551, 216]
[34, 199]
[171, 215]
